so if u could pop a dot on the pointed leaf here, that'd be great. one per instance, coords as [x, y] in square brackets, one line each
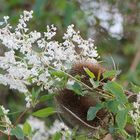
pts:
[95, 84]
[90, 74]
[121, 118]
[91, 114]
[116, 90]
[76, 88]
[27, 130]
[45, 112]
[17, 131]
[46, 97]
[111, 73]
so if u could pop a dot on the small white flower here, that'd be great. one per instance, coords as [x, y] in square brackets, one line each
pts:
[59, 126]
[135, 113]
[34, 36]
[27, 15]
[39, 129]
[6, 18]
[70, 82]
[5, 119]
[28, 100]
[5, 111]
[51, 31]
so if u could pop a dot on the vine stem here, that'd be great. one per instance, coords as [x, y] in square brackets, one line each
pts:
[107, 95]
[9, 137]
[20, 116]
[135, 61]
[3, 133]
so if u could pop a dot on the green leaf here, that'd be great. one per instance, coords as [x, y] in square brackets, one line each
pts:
[95, 84]
[27, 130]
[111, 129]
[112, 106]
[17, 131]
[35, 93]
[111, 73]
[91, 74]
[91, 114]
[76, 88]
[116, 90]
[57, 136]
[81, 137]
[121, 118]
[57, 73]
[45, 112]
[46, 97]
[135, 88]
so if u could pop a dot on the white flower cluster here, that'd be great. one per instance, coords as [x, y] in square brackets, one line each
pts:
[44, 133]
[5, 119]
[135, 113]
[28, 100]
[38, 128]
[30, 54]
[59, 127]
[109, 16]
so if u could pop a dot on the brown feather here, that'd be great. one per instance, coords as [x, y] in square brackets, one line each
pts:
[96, 69]
[79, 106]
[74, 106]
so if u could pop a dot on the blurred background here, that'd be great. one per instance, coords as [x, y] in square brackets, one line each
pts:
[113, 24]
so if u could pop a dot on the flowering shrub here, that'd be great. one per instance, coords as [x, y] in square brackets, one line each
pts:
[31, 54]
[37, 59]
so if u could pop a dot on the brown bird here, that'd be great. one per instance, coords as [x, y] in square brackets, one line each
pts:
[74, 108]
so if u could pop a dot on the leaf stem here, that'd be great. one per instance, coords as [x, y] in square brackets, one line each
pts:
[20, 116]
[107, 95]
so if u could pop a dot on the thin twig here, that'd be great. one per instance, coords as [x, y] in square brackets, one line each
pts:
[20, 116]
[135, 61]
[107, 94]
